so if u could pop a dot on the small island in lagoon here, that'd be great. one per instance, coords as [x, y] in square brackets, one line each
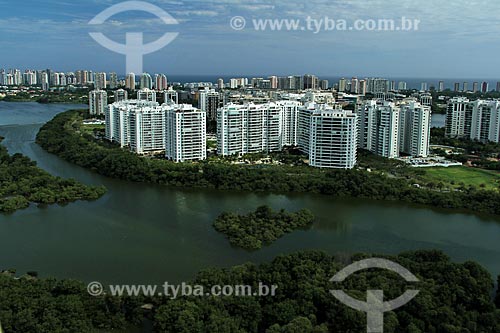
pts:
[262, 227]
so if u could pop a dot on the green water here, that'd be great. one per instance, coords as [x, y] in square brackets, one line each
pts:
[141, 233]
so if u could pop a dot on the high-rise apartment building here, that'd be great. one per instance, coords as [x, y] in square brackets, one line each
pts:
[426, 99]
[130, 81]
[485, 123]
[377, 85]
[249, 128]
[289, 119]
[120, 95]
[379, 128]
[220, 84]
[325, 84]
[113, 80]
[29, 78]
[485, 87]
[354, 85]
[98, 102]
[273, 81]
[362, 87]
[147, 129]
[459, 118]
[161, 82]
[209, 101]
[328, 136]
[100, 81]
[146, 95]
[238, 83]
[178, 131]
[45, 81]
[309, 82]
[415, 129]
[441, 86]
[186, 130]
[146, 81]
[3, 77]
[342, 85]
[171, 96]
[117, 120]
[475, 87]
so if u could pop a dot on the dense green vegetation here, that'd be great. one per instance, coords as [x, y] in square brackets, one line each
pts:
[261, 227]
[49, 306]
[63, 136]
[22, 183]
[44, 97]
[453, 298]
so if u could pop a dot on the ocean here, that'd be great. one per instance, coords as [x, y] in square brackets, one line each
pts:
[412, 83]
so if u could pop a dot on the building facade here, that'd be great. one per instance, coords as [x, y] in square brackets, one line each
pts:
[186, 138]
[328, 136]
[379, 128]
[249, 128]
[209, 101]
[98, 102]
[145, 127]
[146, 95]
[120, 95]
[485, 122]
[459, 118]
[415, 129]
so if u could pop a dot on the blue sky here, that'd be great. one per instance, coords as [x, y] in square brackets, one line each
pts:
[456, 39]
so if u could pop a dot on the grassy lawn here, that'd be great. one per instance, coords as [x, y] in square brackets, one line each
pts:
[467, 176]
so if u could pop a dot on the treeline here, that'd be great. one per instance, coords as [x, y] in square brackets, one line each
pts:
[262, 227]
[22, 183]
[453, 298]
[49, 306]
[48, 97]
[62, 136]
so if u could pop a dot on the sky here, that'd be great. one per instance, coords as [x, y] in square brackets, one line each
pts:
[455, 39]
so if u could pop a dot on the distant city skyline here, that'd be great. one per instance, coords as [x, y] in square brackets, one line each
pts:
[54, 33]
[31, 76]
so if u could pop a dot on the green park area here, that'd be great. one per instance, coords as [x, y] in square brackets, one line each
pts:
[464, 176]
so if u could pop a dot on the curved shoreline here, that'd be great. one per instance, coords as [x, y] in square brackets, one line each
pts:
[59, 136]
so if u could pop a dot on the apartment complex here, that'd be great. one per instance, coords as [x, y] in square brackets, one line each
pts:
[249, 128]
[388, 129]
[146, 127]
[476, 120]
[328, 136]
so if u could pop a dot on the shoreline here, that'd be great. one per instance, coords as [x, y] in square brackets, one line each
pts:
[273, 179]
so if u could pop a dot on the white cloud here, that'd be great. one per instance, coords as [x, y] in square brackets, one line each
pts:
[209, 13]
